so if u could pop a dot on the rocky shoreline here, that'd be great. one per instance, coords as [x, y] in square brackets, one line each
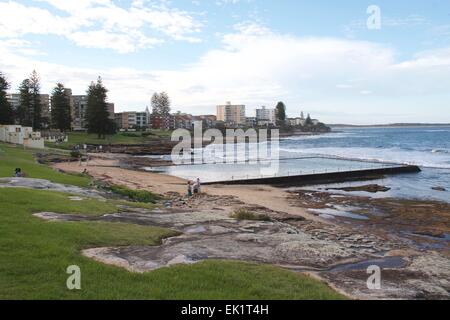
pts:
[331, 235]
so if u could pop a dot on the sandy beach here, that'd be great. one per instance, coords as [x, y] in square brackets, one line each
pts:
[104, 170]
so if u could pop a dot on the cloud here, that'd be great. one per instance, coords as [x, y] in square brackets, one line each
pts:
[121, 42]
[256, 66]
[100, 23]
[408, 22]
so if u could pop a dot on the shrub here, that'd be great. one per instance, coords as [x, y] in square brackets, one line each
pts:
[135, 195]
[130, 134]
[75, 153]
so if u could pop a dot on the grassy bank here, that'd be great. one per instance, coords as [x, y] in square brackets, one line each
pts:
[35, 254]
[79, 138]
[12, 157]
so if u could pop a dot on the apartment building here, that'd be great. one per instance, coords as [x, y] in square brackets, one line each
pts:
[14, 100]
[79, 112]
[266, 115]
[132, 119]
[232, 114]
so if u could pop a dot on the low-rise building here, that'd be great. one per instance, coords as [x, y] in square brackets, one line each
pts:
[164, 122]
[183, 121]
[297, 121]
[209, 120]
[251, 122]
[54, 136]
[132, 119]
[21, 135]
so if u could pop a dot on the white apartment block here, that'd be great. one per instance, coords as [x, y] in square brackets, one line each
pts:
[264, 114]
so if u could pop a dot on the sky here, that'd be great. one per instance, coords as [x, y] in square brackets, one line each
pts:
[348, 61]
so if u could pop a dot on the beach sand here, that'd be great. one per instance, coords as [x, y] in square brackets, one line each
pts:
[270, 197]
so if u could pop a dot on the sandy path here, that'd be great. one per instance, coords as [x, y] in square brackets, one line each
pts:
[266, 196]
[154, 182]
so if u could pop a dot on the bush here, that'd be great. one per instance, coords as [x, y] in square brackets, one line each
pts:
[75, 153]
[131, 134]
[244, 214]
[135, 195]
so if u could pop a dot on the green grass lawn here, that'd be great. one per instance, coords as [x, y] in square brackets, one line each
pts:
[12, 157]
[79, 138]
[34, 255]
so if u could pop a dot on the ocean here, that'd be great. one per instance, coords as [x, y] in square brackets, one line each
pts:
[352, 149]
[427, 147]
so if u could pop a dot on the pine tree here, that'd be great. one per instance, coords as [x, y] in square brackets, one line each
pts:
[6, 111]
[97, 116]
[164, 103]
[280, 110]
[36, 107]
[160, 104]
[23, 112]
[61, 118]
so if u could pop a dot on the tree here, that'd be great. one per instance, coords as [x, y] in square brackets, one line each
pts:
[23, 112]
[280, 111]
[36, 107]
[61, 118]
[97, 115]
[308, 121]
[160, 104]
[6, 111]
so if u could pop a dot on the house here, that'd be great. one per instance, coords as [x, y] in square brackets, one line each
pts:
[208, 121]
[183, 121]
[21, 135]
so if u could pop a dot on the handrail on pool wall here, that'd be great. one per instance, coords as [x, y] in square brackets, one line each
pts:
[321, 178]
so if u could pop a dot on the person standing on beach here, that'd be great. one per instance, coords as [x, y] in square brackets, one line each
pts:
[198, 185]
[189, 188]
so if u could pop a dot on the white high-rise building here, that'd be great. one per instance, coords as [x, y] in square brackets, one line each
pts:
[266, 114]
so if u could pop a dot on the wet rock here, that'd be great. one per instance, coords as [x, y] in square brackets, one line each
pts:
[439, 188]
[74, 198]
[372, 188]
[41, 184]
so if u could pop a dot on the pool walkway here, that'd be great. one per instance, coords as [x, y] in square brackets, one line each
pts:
[323, 178]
